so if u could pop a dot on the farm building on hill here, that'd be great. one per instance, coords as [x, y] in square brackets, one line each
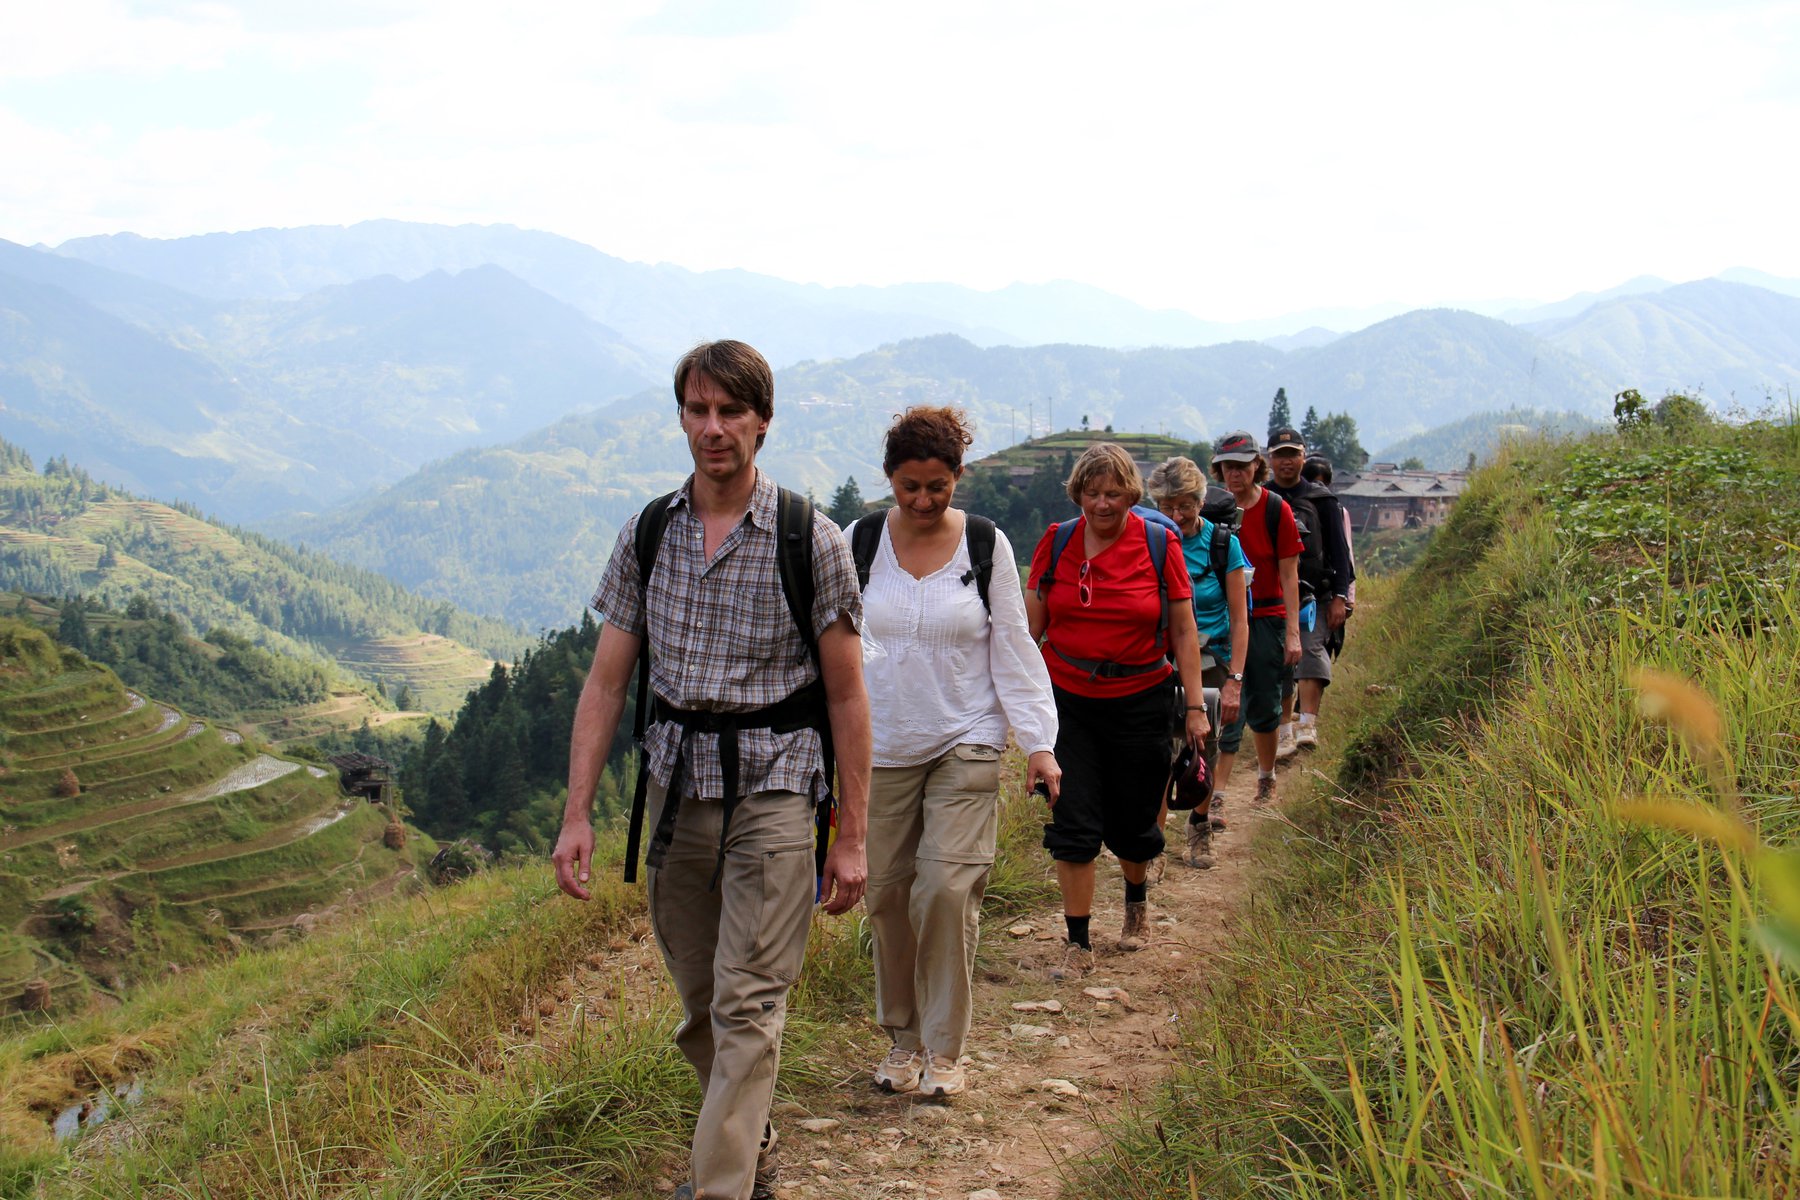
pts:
[364, 775]
[1385, 497]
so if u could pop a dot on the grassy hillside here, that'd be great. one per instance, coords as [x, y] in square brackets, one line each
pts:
[134, 837]
[61, 534]
[1535, 934]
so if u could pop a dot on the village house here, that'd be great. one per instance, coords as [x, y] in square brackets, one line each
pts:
[1385, 497]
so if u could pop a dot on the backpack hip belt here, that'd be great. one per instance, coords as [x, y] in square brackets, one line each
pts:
[1109, 670]
[803, 709]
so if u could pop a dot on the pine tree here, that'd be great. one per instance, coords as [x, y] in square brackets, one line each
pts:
[1338, 442]
[1279, 415]
[846, 503]
[1309, 428]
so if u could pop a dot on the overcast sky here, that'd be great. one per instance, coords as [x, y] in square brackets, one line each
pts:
[1233, 160]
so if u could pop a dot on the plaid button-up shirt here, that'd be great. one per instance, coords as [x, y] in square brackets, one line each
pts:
[722, 639]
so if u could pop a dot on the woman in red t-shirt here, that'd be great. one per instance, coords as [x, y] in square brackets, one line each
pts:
[1101, 616]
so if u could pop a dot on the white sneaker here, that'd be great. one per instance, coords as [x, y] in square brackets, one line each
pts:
[943, 1075]
[1305, 738]
[1284, 741]
[899, 1071]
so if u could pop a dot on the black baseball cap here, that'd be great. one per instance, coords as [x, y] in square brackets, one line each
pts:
[1238, 446]
[1287, 439]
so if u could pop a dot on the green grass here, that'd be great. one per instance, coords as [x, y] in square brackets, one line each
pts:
[1498, 958]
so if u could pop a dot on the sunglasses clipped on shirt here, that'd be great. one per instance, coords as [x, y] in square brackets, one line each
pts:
[1083, 588]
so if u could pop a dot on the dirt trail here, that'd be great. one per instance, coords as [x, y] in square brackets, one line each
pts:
[1014, 1128]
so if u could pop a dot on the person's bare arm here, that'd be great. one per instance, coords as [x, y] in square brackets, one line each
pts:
[1237, 606]
[1290, 596]
[597, 715]
[1037, 615]
[1184, 640]
[840, 665]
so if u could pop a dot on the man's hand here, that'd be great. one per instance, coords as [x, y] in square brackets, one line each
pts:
[846, 876]
[1337, 613]
[574, 856]
[1197, 725]
[1292, 655]
[1042, 765]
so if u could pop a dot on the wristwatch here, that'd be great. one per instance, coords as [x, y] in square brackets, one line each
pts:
[1236, 677]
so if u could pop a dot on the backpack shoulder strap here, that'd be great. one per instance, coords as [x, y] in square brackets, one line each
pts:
[794, 555]
[1272, 518]
[1156, 538]
[979, 532]
[865, 540]
[647, 540]
[1220, 552]
[1063, 531]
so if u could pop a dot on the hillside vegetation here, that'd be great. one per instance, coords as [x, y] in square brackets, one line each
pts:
[64, 534]
[1542, 937]
[135, 839]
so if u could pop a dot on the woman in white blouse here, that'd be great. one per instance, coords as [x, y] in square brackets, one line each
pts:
[947, 677]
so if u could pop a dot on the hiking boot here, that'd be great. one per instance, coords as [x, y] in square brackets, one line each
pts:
[1153, 871]
[1215, 812]
[763, 1188]
[1306, 737]
[899, 1071]
[1265, 791]
[1199, 846]
[1076, 962]
[1284, 741]
[1135, 933]
[943, 1075]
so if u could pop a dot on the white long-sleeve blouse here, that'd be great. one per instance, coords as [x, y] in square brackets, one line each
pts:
[940, 671]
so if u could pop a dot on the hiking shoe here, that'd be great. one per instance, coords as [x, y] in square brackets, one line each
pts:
[1265, 790]
[1135, 933]
[1306, 737]
[1284, 741]
[899, 1071]
[1215, 812]
[763, 1188]
[943, 1075]
[1153, 871]
[1199, 846]
[1076, 962]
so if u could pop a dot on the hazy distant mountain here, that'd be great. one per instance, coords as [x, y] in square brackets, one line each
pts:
[1447, 447]
[1725, 339]
[523, 529]
[662, 309]
[1761, 279]
[1582, 301]
[254, 407]
[1310, 338]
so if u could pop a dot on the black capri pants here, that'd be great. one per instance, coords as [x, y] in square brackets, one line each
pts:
[1115, 755]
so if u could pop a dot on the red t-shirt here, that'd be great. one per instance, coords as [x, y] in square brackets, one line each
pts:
[1253, 535]
[1119, 624]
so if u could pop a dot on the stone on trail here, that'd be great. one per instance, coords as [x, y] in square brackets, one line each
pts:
[1022, 1030]
[1117, 996]
[1021, 930]
[1049, 1006]
[985, 1194]
[1059, 1087]
[819, 1124]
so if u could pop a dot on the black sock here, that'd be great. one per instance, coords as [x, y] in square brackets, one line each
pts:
[1136, 893]
[1078, 931]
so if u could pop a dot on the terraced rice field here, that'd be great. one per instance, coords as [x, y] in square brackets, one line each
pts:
[439, 671]
[133, 835]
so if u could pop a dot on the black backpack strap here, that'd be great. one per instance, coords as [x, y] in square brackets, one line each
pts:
[979, 532]
[865, 541]
[647, 541]
[1156, 539]
[794, 556]
[1061, 532]
[1220, 552]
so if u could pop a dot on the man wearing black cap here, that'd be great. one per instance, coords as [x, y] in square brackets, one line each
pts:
[1325, 578]
[1269, 539]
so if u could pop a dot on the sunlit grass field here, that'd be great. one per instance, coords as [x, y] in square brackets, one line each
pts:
[1536, 930]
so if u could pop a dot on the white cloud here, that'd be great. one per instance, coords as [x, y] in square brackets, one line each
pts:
[1238, 161]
